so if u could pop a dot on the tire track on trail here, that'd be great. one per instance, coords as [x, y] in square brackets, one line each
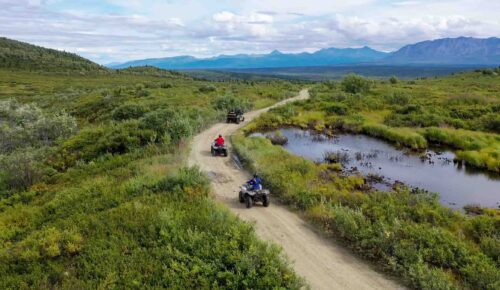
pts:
[323, 263]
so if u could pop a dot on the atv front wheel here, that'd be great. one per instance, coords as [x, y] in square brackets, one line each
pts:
[248, 201]
[241, 197]
[265, 201]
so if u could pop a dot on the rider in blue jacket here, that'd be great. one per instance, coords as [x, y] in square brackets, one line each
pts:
[255, 182]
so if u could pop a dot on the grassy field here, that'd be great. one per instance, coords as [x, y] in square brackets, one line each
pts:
[94, 193]
[407, 231]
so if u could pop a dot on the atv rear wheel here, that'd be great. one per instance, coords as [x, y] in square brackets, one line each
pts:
[265, 200]
[248, 201]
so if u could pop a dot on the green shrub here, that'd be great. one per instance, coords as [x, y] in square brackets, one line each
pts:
[491, 122]
[24, 126]
[488, 72]
[355, 84]
[286, 111]
[23, 168]
[116, 138]
[426, 278]
[207, 89]
[338, 109]
[348, 223]
[225, 103]
[128, 111]
[393, 80]
[27, 137]
[168, 122]
[491, 247]
[398, 98]
[185, 180]
[141, 93]
[166, 85]
[157, 120]
[481, 273]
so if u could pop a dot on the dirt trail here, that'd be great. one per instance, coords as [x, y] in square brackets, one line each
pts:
[320, 261]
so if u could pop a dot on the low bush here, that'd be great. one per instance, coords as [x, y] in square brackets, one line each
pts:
[491, 122]
[355, 84]
[207, 89]
[167, 122]
[90, 143]
[226, 103]
[23, 168]
[398, 98]
[338, 109]
[166, 85]
[128, 111]
[28, 136]
[24, 126]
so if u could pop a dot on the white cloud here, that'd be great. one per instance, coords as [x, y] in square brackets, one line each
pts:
[157, 28]
[224, 16]
[230, 25]
[395, 30]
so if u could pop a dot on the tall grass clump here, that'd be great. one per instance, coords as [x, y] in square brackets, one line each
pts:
[477, 149]
[401, 136]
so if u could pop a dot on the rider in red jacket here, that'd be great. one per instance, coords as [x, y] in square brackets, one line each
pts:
[219, 141]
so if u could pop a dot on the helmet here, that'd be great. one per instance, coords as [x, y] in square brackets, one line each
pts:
[255, 175]
[220, 136]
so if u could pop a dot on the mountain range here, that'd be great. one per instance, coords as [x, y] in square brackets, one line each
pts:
[445, 51]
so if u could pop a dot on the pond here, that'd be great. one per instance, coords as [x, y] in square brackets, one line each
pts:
[433, 170]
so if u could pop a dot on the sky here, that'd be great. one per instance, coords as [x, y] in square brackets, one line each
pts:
[107, 31]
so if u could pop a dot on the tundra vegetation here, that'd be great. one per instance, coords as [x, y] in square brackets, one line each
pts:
[93, 191]
[460, 111]
[407, 231]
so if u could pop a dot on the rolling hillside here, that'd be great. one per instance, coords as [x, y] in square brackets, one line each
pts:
[19, 55]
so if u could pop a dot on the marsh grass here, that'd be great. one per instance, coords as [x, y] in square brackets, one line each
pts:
[459, 111]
